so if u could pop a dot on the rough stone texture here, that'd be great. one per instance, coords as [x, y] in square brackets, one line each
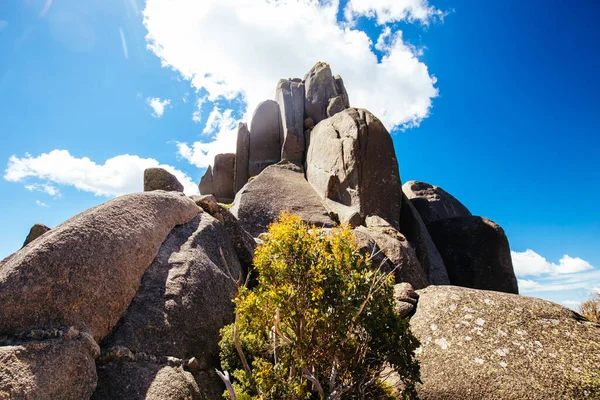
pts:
[145, 380]
[341, 90]
[290, 97]
[265, 137]
[433, 203]
[351, 160]
[476, 253]
[183, 301]
[335, 106]
[242, 153]
[61, 368]
[406, 299]
[278, 188]
[243, 242]
[35, 232]
[320, 86]
[400, 253]
[345, 214]
[223, 172]
[161, 179]
[208, 203]
[412, 226]
[478, 344]
[206, 182]
[86, 271]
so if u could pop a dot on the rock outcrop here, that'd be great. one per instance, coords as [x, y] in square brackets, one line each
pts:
[184, 299]
[265, 137]
[85, 272]
[242, 152]
[479, 344]
[412, 226]
[278, 188]
[289, 95]
[476, 253]
[206, 182]
[55, 368]
[320, 88]
[161, 179]
[35, 232]
[351, 160]
[406, 299]
[223, 174]
[433, 203]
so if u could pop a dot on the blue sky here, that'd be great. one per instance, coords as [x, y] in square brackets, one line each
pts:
[496, 102]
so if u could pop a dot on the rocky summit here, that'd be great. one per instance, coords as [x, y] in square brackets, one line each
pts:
[126, 300]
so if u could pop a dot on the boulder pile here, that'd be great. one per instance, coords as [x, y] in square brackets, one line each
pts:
[126, 300]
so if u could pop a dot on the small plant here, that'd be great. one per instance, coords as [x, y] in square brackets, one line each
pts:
[320, 324]
[591, 308]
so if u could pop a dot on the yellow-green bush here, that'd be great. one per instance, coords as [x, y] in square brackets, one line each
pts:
[319, 324]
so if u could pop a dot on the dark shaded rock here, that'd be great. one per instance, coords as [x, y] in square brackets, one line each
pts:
[351, 160]
[335, 106]
[86, 271]
[146, 380]
[399, 252]
[184, 299]
[412, 226]
[406, 299]
[290, 97]
[208, 203]
[35, 232]
[206, 182]
[478, 344]
[161, 179]
[223, 171]
[341, 90]
[243, 242]
[343, 214]
[61, 368]
[433, 203]
[265, 137]
[242, 152]
[278, 188]
[308, 124]
[476, 253]
[320, 86]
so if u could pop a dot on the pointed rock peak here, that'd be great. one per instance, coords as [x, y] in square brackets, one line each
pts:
[320, 88]
[432, 202]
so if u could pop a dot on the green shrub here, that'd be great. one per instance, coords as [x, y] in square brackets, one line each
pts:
[320, 323]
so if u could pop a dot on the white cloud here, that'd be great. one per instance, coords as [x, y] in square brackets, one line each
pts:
[118, 175]
[197, 115]
[158, 105]
[525, 284]
[124, 45]
[224, 127]
[47, 6]
[44, 187]
[386, 11]
[266, 40]
[41, 204]
[530, 263]
[571, 302]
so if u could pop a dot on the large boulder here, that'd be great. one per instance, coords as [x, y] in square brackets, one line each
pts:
[184, 299]
[351, 160]
[242, 152]
[320, 87]
[290, 97]
[412, 226]
[433, 203]
[54, 368]
[476, 253]
[148, 380]
[265, 137]
[86, 271]
[206, 182]
[35, 232]
[161, 179]
[278, 188]
[223, 173]
[243, 242]
[478, 344]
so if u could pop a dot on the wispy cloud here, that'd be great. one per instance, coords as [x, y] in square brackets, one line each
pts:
[118, 175]
[45, 188]
[158, 105]
[47, 6]
[197, 115]
[41, 204]
[124, 43]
